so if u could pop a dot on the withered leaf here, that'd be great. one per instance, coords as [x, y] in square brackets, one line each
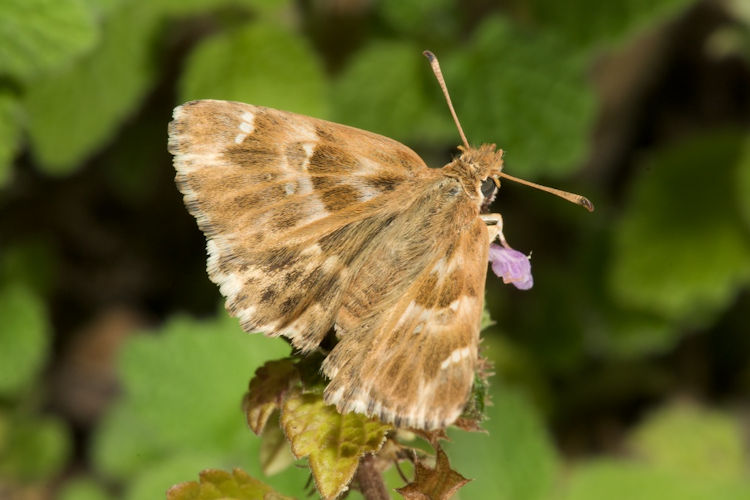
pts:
[440, 483]
[275, 454]
[266, 391]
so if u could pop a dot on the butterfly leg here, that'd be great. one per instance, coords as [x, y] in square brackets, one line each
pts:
[494, 224]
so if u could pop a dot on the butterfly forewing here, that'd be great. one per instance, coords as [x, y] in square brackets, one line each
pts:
[312, 224]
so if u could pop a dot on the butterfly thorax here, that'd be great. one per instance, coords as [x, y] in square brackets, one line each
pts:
[474, 166]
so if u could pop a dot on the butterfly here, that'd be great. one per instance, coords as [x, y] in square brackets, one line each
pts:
[313, 225]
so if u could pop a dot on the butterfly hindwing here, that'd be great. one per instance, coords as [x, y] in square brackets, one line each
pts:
[409, 346]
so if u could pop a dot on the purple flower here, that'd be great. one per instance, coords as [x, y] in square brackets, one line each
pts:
[512, 266]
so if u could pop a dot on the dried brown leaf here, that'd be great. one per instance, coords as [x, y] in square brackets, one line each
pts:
[275, 454]
[440, 483]
[267, 389]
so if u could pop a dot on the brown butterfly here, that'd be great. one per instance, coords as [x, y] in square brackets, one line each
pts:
[312, 225]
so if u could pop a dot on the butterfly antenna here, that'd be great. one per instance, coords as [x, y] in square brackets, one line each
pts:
[571, 197]
[439, 75]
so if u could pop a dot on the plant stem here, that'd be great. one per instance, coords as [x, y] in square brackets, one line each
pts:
[370, 480]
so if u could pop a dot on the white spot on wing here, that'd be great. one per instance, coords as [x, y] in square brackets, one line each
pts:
[289, 188]
[455, 357]
[366, 193]
[248, 122]
[239, 138]
[187, 163]
[312, 250]
[309, 148]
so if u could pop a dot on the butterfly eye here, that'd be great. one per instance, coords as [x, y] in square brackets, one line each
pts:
[488, 188]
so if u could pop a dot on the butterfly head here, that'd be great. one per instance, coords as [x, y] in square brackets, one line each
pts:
[478, 170]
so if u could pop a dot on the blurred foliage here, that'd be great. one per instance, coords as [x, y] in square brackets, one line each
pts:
[539, 136]
[692, 441]
[642, 105]
[24, 338]
[34, 448]
[176, 429]
[40, 35]
[9, 134]
[698, 231]
[517, 462]
[74, 112]
[370, 93]
[683, 452]
[83, 489]
[227, 64]
[596, 24]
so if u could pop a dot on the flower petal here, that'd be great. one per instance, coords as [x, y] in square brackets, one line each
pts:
[512, 266]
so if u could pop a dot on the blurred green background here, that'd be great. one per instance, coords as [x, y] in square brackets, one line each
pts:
[623, 374]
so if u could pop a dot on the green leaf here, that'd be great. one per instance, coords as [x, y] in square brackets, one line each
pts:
[622, 480]
[382, 91]
[34, 448]
[10, 134]
[24, 338]
[155, 480]
[39, 35]
[219, 485]
[694, 441]
[516, 461]
[183, 391]
[680, 250]
[525, 92]
[260, 64]
[74, 112]
[592, 23]
[333, 442]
